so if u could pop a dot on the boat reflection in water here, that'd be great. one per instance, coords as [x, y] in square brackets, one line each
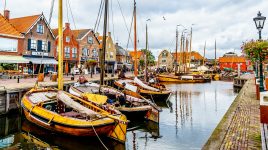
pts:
[17, 134]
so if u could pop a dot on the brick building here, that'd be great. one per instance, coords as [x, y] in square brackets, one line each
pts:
[70, 49]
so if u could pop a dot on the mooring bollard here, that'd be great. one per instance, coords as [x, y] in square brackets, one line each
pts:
[18, 80]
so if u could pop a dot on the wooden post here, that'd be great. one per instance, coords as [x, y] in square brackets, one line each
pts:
[135, 42]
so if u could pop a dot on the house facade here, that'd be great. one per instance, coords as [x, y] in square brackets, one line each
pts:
[70, 49]
[232, 61]
[165, 60]
[38, 43]
[110, 53]
[88, 45]
[122, 57]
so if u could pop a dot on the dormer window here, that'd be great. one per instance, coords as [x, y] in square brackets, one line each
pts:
[67, 39]
[40, 28]
[90, 40]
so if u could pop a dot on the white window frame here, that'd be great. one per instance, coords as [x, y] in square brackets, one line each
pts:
[8, 45]
[90, 40]
[33, 44]
[67, 52]
[67, 39]
[40, 28]
[74, 52]
[44, 46]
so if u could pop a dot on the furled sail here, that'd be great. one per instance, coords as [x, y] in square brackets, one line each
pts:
[139, 82]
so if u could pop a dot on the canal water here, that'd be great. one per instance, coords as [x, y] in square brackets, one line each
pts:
[187, 120]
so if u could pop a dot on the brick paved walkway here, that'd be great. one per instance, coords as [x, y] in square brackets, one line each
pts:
[240, 128]
[30, 82]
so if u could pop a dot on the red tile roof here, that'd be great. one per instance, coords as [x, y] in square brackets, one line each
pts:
[8, 29]
[232, 59]
[194, 54]
[23, 24]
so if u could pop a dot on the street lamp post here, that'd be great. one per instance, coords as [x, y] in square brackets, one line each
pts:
[259, 22]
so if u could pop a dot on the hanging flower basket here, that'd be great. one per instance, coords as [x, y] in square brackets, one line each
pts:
[255, 50]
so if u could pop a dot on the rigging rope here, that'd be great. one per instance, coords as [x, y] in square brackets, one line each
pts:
[97, 23]
[112, 19]
[67, 11]
[129, 31]
[129, 34]
[99, 137]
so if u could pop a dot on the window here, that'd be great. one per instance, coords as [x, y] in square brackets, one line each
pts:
[85, 52]
[33, 45]
[164, 55]
[8, 45]
[44, 45]
[67, 52]
[67, 39]
[111, 54]
[90, 39]
[94, 53]
[163, 60]
[74, 52]
[40, 28]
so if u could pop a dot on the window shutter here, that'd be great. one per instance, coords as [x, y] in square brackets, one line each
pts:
[39, 45]
[48, 46]
[29, 44]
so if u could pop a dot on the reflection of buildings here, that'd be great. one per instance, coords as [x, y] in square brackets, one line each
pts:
[9, 125]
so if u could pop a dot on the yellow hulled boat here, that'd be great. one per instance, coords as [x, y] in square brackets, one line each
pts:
[182, 78]
[62, 112]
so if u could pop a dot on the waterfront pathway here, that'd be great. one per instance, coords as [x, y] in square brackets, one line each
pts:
[30, 82]
[240, 126]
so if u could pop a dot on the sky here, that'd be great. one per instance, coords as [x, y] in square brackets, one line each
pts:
[229, 22]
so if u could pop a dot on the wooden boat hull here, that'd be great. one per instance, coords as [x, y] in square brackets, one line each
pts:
[74, 131]
[176, 79]
[51, 120]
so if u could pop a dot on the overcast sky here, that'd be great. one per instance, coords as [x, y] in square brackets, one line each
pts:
[228, 21]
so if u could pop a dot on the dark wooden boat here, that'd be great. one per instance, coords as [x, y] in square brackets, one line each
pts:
[132, 107]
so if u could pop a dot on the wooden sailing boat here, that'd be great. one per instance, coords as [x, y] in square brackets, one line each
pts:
[59, 111]
[133, 106]
[184, 76]
[153, 91]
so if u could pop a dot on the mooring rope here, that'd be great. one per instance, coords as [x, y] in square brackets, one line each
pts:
[99, 138]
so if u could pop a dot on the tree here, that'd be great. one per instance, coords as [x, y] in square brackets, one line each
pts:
[150, 57]
[255, 50]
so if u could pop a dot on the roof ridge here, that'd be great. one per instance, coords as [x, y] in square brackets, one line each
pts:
[27, 16]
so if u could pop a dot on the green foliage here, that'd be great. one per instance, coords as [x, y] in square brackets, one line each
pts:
[8, 66]
[255, 50]
[150, 57]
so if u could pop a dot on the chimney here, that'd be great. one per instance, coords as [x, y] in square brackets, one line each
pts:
[109, 34]
[6, 14]
[116, 43]
[67, 25]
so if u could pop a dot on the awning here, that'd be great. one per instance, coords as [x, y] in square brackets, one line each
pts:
[46, 61]
[9, 59]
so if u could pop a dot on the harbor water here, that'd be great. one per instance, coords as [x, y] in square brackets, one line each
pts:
[187, 120]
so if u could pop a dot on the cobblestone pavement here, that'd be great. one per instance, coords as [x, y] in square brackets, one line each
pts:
[243, 131]
[29, 82]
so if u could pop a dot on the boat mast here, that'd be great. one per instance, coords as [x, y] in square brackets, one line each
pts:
[135, 42]
[215, 61]
[204, 54]
[176, 54]
[102, 59]
[145, 59]
[180, 52]
[60, 46]
[190, 54]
